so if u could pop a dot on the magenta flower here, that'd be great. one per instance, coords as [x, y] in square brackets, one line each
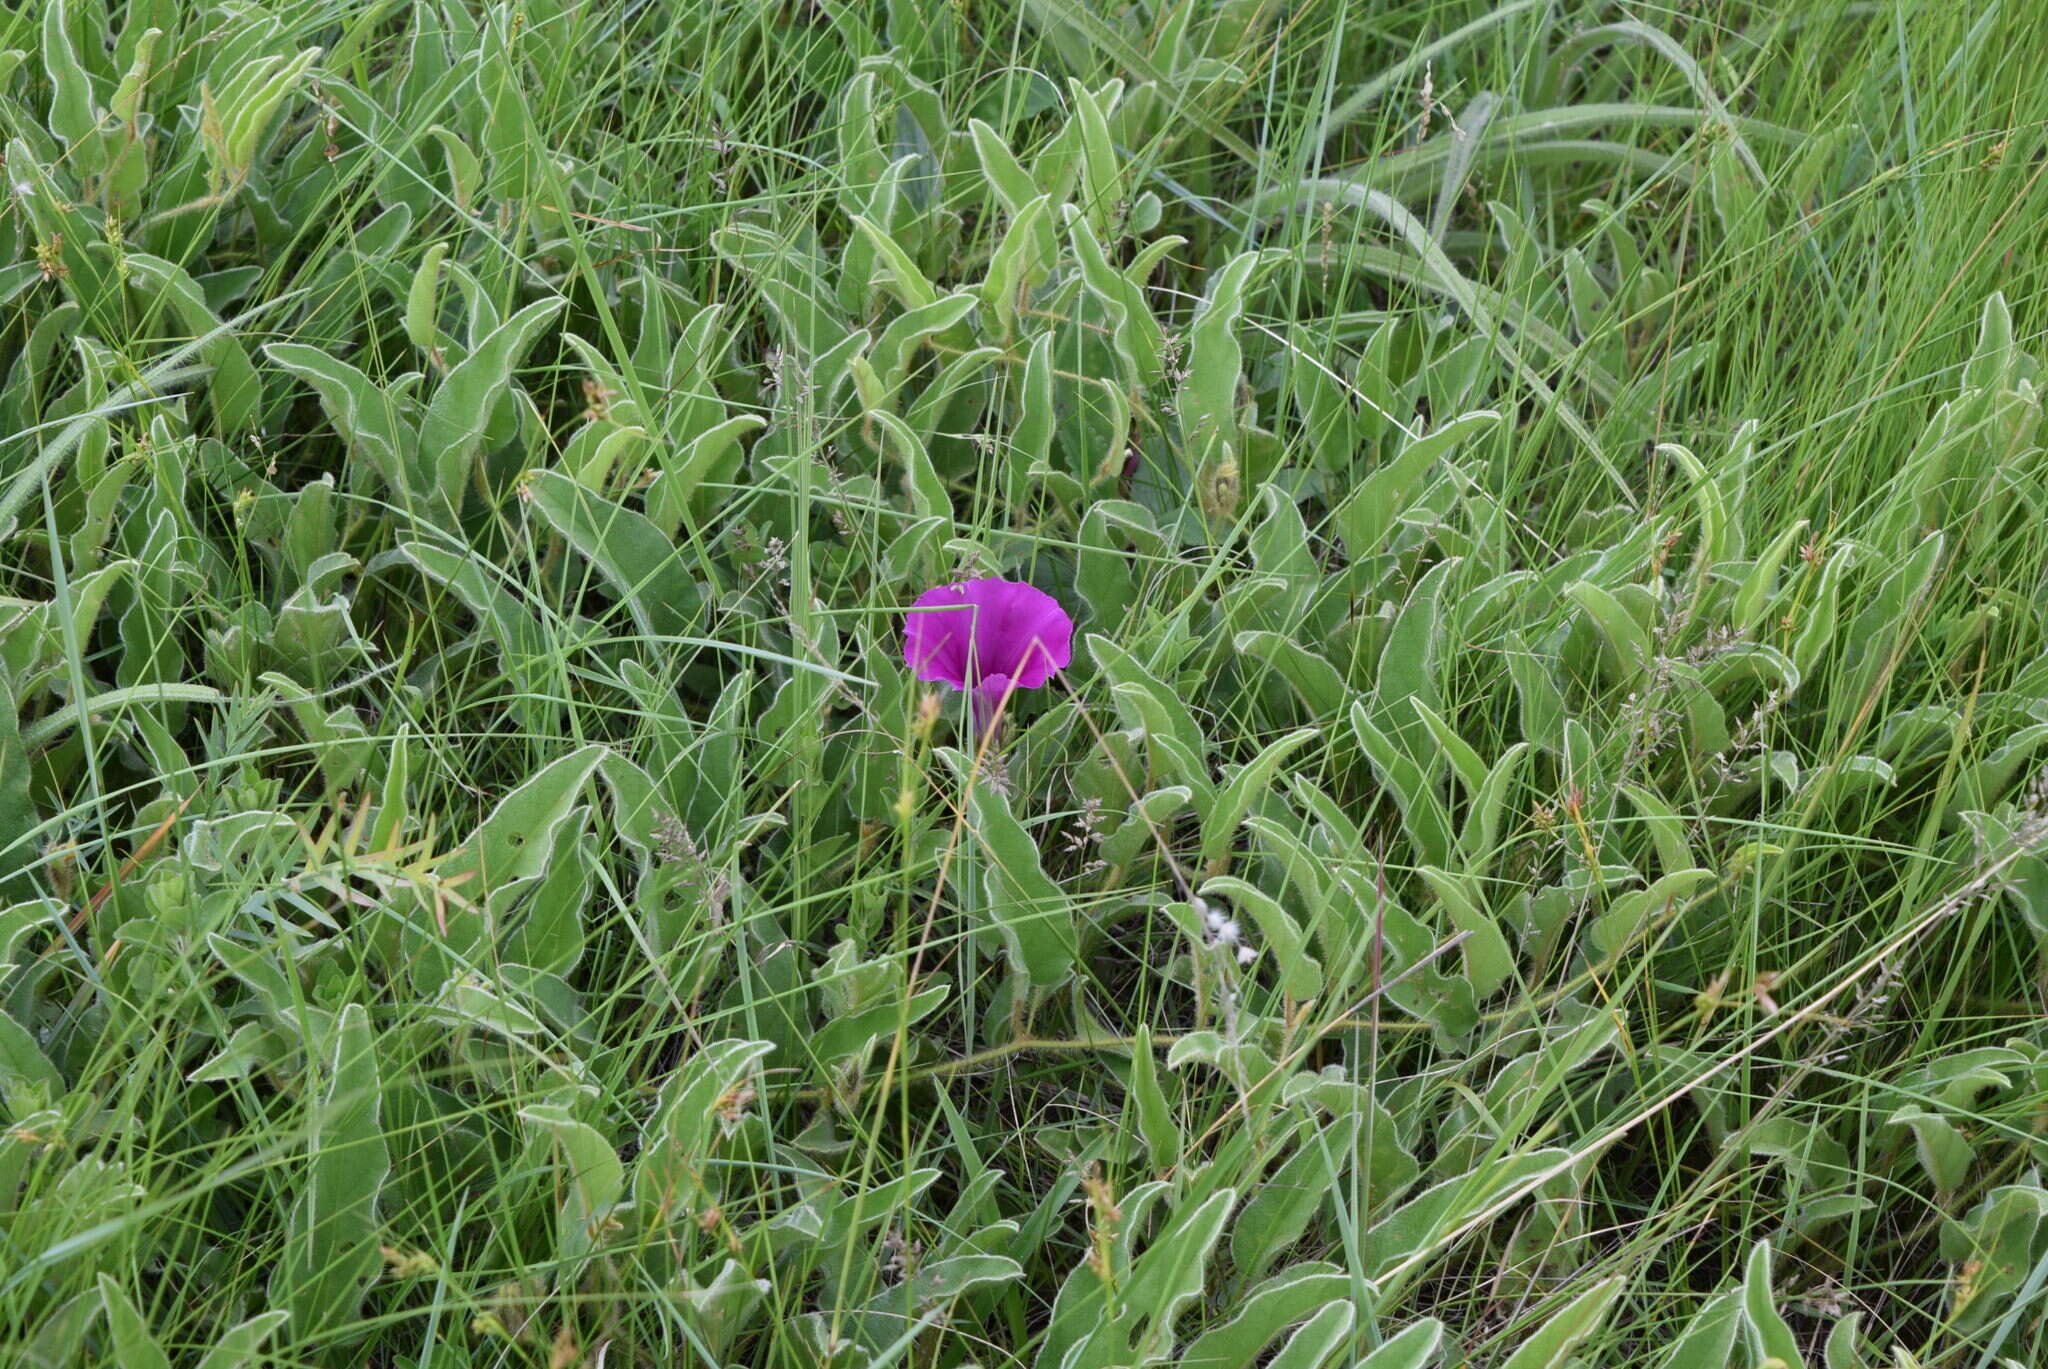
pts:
[988, 637]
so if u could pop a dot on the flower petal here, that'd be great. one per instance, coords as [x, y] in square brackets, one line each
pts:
[936, 634]
[967, 633]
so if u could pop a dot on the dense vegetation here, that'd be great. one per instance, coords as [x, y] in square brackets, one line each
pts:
[1540, 855]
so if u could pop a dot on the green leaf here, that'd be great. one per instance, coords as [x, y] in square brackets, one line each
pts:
[1117, 539]
[1627, 641]
[864, 1002]
[1551, 1347]
[1488, 960]
[465, 168]
[1415, 1347]
[1464, 761]
[236, 117]
[591, 1182]
[643, 566]
[1135, 334]
[1479, 839]
[1263, 1314]
[511, 844]
[1101, 168]
[898, 271]
[465, 1002]
[1208, 397]
[1941, 1149]
[1170, 1274]
[1155, 1121]
[243, 1342]
[27, 1078]
[236, 390]
[1709, 1337]
[1408, 662]
[452, 429]
[1030, 450]
[1370, 512]
[1301, 976]
[1713, 508]
[48, 728]
[1423, 813]
[1311, 676]
[1880, 634]
[1412, 1232]
[1768, 1335]
[134, 1346]
[792, 280]
[1542, 707]
[1754, 594]
[1843, 1350]
[1019, 264]
[1034, 915]
[361, 410]
[1280, 1208]
[1146, 703]
[696, 1104]
[511, 138]
[18, 820]
[926, 492]
[1007, 177]
[1630, 913]
[520, 636]
[685, 471]
[1244, 789]
[72, 116]
[423, 300]
[1318, 1338]
[330, 1256]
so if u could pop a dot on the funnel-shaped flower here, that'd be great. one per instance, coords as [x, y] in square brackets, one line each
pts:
[987, 636]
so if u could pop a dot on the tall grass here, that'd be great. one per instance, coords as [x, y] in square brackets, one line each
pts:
[1537, 858]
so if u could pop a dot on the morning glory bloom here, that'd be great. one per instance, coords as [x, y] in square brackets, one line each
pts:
[987, 636]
